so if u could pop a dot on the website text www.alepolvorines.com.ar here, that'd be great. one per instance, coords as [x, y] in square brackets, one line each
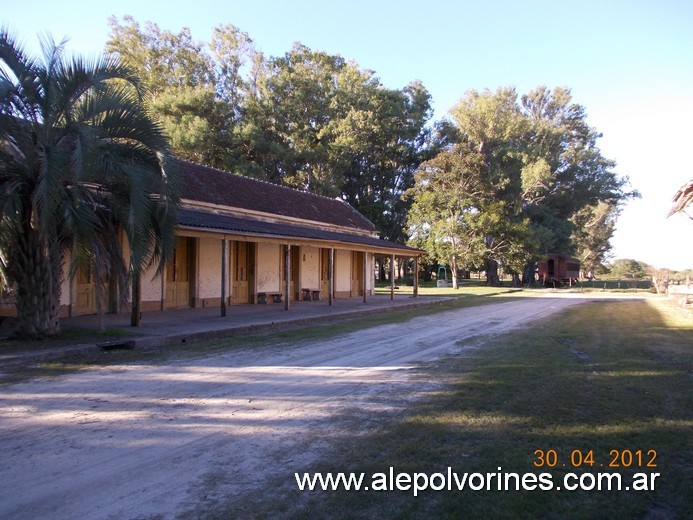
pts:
[450, 480]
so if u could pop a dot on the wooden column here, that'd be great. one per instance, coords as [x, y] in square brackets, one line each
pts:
[392, 277]
[71, 298]
[162, 303]
[365, 276]
[416, 276]
[287, 276]
[330, 275]
[135, 311]
[223, 277]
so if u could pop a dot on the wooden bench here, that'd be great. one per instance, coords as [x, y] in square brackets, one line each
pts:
[275, 296]
[310, 294]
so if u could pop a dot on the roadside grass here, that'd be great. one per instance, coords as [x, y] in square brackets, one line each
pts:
[68, 337]
[603, 376]
[466, 288]
[478, 287]
[618, 286]
[72, 362]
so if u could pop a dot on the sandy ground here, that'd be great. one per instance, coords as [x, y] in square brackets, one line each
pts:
[181, 438]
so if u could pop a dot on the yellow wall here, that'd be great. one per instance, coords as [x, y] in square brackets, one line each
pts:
[206, 282]
[342, 272]
[268, 263]
[209, 269]
[310, 267]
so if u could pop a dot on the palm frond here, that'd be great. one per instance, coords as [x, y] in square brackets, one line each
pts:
[682, 199]
[82, 166]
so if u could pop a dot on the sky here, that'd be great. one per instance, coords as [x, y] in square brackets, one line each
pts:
[628, 62]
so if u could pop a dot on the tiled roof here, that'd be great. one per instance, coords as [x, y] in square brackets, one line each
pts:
[198, 219]
[205, 184]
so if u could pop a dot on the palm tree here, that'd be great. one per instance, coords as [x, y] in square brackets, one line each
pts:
[82, 167]
[683, 198]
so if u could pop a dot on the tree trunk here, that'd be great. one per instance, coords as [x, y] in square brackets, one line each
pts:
[426, 272]
[528, 276]
[492, 272]
[453, 266]
[135, 312]
[38, 273]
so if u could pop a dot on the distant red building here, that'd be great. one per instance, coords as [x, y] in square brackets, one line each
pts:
[558, 270]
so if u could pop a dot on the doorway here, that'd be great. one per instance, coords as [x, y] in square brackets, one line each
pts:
[85, 301]
[243, 258]
[357, 273]
[179, 274]
[325, 272]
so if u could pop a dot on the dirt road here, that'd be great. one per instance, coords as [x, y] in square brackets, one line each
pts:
[139, 441]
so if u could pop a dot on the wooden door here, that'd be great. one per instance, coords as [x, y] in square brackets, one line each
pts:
[324, 273]
[179, 275]
[241, 272]
[85, 302]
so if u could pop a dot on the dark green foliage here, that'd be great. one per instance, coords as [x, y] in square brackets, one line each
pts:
[80, 163]
[540, 184]
[307, 119]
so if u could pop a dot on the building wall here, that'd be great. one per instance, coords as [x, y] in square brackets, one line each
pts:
[342, 273]
[370, 273]
[310, 267]
[150, 284]
[267, 272]
[151, 290]
[65, 289]
[208, 284]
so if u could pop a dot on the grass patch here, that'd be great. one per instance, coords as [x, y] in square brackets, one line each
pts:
[604, 376]
[68, 337]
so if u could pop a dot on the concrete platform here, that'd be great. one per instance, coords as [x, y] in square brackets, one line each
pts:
[187, 325]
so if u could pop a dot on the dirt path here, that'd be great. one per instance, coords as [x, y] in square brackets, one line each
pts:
[142, 441]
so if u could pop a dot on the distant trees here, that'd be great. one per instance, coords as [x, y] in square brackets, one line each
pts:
[628, 268]
[520, 177]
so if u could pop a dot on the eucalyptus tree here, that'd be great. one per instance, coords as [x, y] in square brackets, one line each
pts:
[161, 58]
[293, 106]
[191, 92]
[492, 124]
[547, 176]
[457, 217]
[81, 162]
[593, 228]
[377, 145]
[448, 196]
[322, 124]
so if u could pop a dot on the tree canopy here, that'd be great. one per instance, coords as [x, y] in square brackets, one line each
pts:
[315, 121]
[306, 119]
[539, 184]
